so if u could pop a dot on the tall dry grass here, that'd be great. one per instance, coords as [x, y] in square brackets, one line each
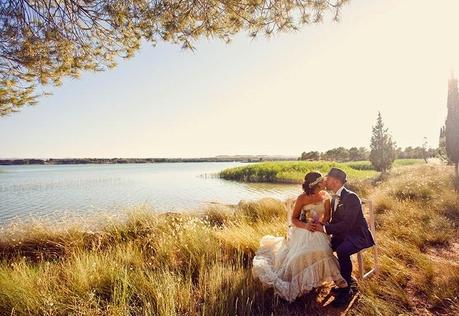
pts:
[184, 264]
[172, 264]
[417, 229]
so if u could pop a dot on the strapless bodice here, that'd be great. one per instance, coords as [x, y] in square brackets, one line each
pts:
[310, 212]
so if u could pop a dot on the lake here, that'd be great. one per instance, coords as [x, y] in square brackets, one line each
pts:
[50, 191]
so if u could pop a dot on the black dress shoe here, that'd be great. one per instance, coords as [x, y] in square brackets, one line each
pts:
[342, 298]
[334, 290]
[353, 284]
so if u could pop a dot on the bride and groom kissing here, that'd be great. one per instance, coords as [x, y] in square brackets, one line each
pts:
[319, 224]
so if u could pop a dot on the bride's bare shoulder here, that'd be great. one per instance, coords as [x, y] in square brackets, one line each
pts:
[303, 197]
[325, 195]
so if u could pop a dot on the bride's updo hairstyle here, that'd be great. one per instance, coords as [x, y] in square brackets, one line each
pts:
[311, 181]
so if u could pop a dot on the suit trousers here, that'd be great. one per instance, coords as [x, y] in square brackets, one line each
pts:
[344, 250]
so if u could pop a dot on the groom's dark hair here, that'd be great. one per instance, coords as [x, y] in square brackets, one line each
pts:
[338, 174]
[308, 179]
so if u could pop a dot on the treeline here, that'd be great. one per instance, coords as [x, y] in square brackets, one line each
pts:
[341, 154]
[417, 153]
[75, 161]
[22, 162]
[82, 161]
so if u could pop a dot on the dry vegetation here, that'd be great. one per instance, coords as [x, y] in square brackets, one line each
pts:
[179, 264]
[418, 219]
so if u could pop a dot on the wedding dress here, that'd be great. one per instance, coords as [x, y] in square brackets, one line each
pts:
[296, 264]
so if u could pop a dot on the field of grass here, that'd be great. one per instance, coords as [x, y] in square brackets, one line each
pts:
[417, 230]
[294, 171]
[178, 264]
[366, 165]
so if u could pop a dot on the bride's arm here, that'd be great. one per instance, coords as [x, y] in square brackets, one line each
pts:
[327, 213]
[296, 214]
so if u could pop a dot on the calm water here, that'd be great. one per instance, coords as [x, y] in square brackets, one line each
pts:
[50, 191]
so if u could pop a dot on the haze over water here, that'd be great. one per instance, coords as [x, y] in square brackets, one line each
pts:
[48, 191]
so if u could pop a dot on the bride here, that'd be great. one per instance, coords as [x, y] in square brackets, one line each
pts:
[304, 260]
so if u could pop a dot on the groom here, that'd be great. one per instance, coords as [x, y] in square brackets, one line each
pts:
[348, 228]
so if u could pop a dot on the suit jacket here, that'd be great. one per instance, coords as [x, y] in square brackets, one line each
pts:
[348, 222]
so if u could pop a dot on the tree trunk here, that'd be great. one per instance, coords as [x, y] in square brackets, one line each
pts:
[456, 178]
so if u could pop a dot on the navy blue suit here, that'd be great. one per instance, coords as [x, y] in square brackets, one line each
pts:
[349, 231]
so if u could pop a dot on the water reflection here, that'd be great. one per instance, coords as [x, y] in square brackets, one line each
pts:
[47, 191]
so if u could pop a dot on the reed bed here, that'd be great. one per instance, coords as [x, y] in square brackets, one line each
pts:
[294, 171]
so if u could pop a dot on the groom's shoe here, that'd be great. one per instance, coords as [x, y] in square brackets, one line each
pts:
[335, 290]
[343, 297]
[353, 286]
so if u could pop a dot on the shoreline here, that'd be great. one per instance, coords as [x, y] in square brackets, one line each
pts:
[84, 161]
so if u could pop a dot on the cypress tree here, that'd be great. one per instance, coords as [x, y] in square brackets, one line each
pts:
[452, 128]
[383, 149]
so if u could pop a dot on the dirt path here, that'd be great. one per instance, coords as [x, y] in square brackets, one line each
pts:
[448, 255]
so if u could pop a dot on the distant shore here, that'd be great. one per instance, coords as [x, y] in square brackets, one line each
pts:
[75, 161]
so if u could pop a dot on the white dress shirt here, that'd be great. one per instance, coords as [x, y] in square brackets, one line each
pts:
[339, 194]
[336, 203]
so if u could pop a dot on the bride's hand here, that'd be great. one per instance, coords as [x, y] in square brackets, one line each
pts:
[318, 227]
[309, 226]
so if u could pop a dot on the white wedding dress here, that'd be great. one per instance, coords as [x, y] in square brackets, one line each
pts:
[296, 264]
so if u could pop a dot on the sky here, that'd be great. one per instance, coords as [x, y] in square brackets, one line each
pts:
[314, 89]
